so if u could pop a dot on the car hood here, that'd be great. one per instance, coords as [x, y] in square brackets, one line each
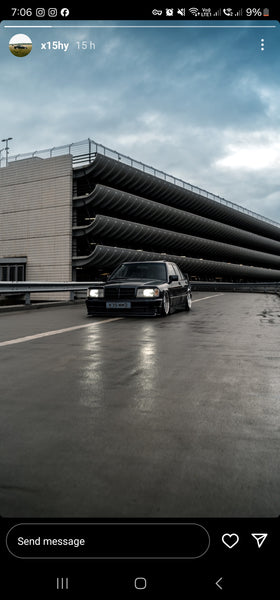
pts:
[133, 282]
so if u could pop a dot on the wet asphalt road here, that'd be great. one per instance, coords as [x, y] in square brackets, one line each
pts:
[175, 417]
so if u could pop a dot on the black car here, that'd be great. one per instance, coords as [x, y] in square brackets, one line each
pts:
[152, 288]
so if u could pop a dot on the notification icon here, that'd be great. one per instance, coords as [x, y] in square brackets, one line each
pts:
[65, 12]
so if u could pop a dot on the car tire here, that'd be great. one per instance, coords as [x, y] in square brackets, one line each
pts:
[165, 309]
[188, 302]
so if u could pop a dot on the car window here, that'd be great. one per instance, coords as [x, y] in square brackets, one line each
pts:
[178, 272]
[155, 271]
[172, 269]
[140, 271]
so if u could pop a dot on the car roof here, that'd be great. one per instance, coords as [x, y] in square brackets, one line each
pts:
[137, 262]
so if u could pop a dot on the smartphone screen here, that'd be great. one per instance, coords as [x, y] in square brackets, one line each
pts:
[139, 300]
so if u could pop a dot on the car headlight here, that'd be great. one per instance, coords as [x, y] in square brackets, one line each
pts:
[147, 293]
[95, 293]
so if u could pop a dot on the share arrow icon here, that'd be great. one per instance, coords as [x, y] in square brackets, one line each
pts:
[259, 537]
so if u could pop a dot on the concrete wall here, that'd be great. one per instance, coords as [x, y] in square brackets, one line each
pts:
[36, 218]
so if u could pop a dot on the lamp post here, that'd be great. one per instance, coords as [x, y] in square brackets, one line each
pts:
[7, 148]
[2, 150]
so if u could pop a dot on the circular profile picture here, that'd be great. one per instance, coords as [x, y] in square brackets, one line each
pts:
[20, 44]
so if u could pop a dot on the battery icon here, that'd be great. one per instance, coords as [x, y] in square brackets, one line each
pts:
[266, 12]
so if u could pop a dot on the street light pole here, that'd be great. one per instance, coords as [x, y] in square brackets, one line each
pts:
[7, 148]
[2, 150]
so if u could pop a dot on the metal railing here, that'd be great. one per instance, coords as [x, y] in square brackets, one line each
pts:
[270, 287]
[84, 152]
[29, 287]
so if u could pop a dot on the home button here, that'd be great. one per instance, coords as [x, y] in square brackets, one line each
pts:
[140, 583]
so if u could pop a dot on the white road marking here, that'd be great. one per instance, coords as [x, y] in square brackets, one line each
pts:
[38, 336]
[207, 297]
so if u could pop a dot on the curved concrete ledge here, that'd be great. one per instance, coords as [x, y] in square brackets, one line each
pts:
[113, 231]
[116, 174]
[109, 201]
[109, 257]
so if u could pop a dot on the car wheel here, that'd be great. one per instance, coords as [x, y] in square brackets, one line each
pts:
[165, 310]
[188, 302]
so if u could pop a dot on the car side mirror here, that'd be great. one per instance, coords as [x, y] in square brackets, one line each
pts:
[173, 278]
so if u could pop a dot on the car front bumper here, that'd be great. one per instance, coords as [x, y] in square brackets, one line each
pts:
[137, 307]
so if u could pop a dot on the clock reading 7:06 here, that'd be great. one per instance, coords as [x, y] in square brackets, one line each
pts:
[23, 12]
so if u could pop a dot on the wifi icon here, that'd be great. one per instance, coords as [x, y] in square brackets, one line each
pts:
[194, 11]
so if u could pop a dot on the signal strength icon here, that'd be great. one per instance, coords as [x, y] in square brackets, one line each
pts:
[239, 13]
[218, 13]
[194, 11]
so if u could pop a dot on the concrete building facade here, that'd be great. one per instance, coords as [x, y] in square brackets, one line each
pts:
[36, 219]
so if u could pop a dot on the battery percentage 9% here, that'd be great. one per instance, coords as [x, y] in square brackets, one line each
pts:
[254, 12]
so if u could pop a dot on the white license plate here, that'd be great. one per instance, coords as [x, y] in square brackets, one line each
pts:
[118, 304]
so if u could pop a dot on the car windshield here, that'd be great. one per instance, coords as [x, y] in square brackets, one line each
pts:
[140, 271]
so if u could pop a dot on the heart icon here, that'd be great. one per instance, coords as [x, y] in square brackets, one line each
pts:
[230, 539]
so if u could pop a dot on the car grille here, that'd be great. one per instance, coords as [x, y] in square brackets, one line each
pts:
[115, 293]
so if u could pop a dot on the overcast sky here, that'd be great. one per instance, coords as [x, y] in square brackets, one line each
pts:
[199, 103]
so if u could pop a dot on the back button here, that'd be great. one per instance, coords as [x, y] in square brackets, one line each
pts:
[219, 583]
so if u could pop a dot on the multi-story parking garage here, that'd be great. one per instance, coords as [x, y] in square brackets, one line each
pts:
[69, 216]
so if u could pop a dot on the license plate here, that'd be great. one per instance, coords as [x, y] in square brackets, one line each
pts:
[118, 304]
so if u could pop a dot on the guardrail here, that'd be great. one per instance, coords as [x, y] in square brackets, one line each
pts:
[30, 287]
[270, 287]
